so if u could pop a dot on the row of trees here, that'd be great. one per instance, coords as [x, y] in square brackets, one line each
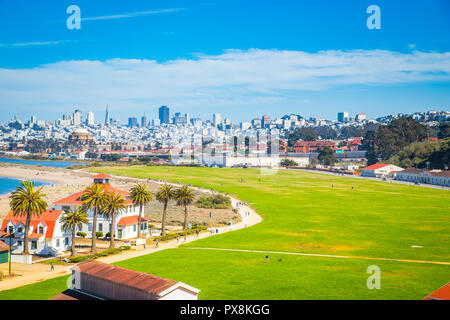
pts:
[26, 201]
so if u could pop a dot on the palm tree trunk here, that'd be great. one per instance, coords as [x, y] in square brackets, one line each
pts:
[163, 223]
[139, 221]
[73, 240]
[111, 233]
[25, 236]
[94, 233]
[185, 217]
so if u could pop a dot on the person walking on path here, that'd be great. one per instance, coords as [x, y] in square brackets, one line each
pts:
[197, 232]
[157, 243]
[185, 237]
[178, 239]
[52, 267]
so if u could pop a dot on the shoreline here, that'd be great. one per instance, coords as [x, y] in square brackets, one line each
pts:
[41, 182]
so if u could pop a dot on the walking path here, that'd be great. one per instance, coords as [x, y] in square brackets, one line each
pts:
[33, 273]
[324, 255]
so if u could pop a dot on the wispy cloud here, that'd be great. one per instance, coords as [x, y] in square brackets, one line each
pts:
[27, 44]
[133, 14]
[234, 78]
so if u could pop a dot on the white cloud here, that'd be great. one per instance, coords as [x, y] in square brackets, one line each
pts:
[132, 15]
[26, 44]
[234, 78]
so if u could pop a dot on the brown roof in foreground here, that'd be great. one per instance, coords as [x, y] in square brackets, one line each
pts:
[139, 280]
[443, 293]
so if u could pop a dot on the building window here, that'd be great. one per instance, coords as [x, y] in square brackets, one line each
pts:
[100, 227]
[20, 229]
[11, 229]
[19, 243]
[57, 243]
[66, 241]
[33, 245]
[134, 228]
[90, 227]
[41, 229]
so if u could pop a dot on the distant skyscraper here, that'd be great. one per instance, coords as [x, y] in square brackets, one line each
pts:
[265, 121]
[77, 115]
[132, 122]
[33, 120]
[360, 117]
[217, 119]
[256, 123]
[156, 122]
[164, 114]
[343, 116]
[90, 119]
[144, 122]
[107, 118]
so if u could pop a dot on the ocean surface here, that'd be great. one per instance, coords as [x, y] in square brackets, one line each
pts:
[8, 185]
[50, 163]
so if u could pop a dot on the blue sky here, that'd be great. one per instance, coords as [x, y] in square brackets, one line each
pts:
[241, 58]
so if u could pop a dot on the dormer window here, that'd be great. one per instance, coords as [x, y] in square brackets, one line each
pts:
[41, 229]
[10, 229]
[19, 229]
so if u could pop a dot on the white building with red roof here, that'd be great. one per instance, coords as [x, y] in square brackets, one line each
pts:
[126, 221]
[46, 236]
[380, 170]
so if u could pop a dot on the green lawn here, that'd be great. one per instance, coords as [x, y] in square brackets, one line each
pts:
[302, 212]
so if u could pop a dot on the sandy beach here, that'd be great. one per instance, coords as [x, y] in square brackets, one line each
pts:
[67, 181]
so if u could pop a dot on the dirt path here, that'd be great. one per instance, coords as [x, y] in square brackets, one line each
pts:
[325, 255]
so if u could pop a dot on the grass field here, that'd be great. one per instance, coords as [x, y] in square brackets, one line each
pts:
[309, 213]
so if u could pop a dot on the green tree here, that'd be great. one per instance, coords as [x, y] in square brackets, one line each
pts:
[94, 198]
[114, 204]
[184, 197]
[140, 196]
[326, 156]
[288, 163]
[27, 201]
[164, 195]
[70, 220]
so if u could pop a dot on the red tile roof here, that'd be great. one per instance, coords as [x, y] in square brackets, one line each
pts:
[74, 199]
[376, 166]
[48, 218]
[126, 221]
[102, 176]
[130, 278]
[3, 246]
[443, 293]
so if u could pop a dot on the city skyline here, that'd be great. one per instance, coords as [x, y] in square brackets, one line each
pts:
[289, 57]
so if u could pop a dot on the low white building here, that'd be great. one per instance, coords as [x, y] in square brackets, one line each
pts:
[380, 170]
[126, 222]
[435, 177]
[46, 236]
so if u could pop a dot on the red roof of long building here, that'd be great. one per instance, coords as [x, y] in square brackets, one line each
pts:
[3, 246]
[376, 166]
[48, 219]
[102, 176]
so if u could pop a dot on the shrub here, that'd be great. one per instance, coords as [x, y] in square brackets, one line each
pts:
[216, 201]
[81, 234]
[99, 234]
[288, 163]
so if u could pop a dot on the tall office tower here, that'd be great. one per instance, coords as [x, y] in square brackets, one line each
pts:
[265, 121]
[77, 117]
[33, 120]
[144, 122]
[107, 118]
[132, 122]
[343, 116]
[217, 119]
[90, 119]
[164, 114]
[360, 117]
[178, 119]
[256, 123]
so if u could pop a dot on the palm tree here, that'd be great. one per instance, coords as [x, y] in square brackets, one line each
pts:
[184, 197]
[114, 203]
[94, 198]
[140, 196]
[26, 201]
[164, 195]
[73, 219]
